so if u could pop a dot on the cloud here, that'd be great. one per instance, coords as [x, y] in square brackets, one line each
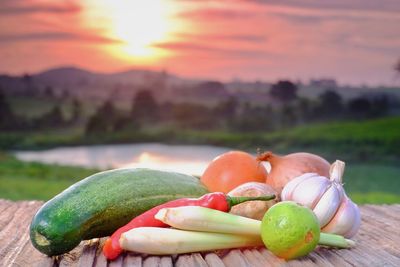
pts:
[214, 13]
[191, 47]
[251, 38]
[55, 36]
[302, 11]
[29, 7]
[358, 5]
[313, 18]
[301, 15]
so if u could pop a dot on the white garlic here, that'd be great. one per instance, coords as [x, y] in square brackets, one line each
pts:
[326, 197]
[347, 220]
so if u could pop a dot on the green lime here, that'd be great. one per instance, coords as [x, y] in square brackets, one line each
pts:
[290, 230]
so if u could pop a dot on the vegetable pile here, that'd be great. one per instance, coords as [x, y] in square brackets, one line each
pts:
[217, 201]
[238, 205]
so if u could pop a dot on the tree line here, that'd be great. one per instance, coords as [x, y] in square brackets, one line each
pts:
[53, 118]
[286, 110]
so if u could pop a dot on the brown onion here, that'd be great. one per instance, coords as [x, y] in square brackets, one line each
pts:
[285, 168]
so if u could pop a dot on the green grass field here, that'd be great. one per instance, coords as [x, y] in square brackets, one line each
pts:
[370, 148]
[372, 183]
[365, 183]
[370, 140]
[365, 140]
[24, 180]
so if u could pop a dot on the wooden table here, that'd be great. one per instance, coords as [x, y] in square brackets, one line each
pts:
[378, 244]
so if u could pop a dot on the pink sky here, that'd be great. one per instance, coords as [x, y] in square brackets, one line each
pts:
[356, 42]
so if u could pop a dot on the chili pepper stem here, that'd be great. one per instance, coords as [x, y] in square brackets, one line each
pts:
[232, 201]
[208, 220]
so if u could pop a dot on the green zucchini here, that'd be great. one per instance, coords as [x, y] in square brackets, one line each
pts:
[103, 202]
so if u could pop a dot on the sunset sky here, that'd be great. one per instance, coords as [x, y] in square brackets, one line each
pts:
[354, 41]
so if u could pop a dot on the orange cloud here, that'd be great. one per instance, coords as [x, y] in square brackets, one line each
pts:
[354, 41]
[15, 7]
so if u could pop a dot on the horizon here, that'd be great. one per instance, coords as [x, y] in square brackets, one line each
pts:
[353, 42]
[231, 80]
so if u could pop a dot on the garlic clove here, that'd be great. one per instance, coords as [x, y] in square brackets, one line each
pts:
[290, 186]
[344, 219]
[356, 222]
[328, 204]
[310, 191]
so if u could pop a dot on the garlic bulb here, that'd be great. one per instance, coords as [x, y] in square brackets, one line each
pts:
[326, 197]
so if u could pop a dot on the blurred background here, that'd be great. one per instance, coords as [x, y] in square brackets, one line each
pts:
[97, 84]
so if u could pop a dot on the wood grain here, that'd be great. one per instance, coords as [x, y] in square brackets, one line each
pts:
[377, 245]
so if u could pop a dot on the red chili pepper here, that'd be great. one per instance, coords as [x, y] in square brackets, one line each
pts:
[217, 201]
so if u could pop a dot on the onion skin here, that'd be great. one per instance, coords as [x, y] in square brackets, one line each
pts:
[285, 168]
[232, 169]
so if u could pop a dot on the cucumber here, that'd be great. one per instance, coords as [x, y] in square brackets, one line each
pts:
[99, 204]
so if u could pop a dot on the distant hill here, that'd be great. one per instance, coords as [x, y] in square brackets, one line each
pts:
[121, 86]
[85, 84]
[72, 75]
[63, 75]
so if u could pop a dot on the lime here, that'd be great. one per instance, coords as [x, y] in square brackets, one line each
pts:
[290, 230]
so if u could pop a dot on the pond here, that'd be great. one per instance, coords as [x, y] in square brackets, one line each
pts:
[190, 159]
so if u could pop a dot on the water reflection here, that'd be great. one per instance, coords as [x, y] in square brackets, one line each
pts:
[185, 159]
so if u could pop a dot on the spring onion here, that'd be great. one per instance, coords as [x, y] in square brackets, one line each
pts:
[163, 241]
[209, 220]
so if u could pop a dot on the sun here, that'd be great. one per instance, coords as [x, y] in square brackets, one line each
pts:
[138, 24]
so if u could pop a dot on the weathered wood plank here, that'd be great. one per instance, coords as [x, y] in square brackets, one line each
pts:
[255, 255]
[15, 246]
[380, 213]
[258, 255]
[212, 259]
[117, 262]
[100, 260]
[394, 207]
[235, 258]
[253, 259]
[7, 215]
[72, 258]
[304, 261]
[154, 261]
[270, 258]
[4, 205]
[88, 253]
[323, 257]
[194, 259]
[377, 245]
[166, 262]
[132, 260]
[382, 233]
